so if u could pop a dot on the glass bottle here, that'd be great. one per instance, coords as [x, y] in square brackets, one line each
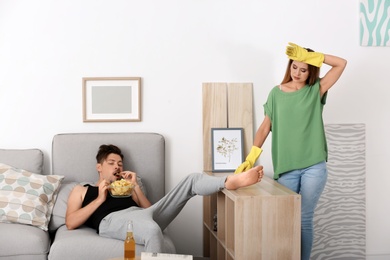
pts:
[129, 243]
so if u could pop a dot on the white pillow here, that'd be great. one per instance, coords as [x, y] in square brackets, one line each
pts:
[27, 198]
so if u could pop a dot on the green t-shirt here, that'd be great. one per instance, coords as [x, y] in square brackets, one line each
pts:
[298, 136]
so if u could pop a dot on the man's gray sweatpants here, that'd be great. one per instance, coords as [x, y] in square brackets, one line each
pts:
[150, 222]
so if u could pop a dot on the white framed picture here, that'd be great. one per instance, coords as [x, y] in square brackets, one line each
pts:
[115, 99]
[227, 149]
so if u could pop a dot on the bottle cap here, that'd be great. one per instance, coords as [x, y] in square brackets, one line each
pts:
[130, 225]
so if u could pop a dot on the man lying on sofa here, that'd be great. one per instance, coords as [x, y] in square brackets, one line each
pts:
[94, 207]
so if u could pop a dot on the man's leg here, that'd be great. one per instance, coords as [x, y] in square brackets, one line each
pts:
[166, 209]
[149, 223]
[145, 229]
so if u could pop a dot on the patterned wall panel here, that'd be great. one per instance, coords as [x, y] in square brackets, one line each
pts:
[374, 22]
[339, 221]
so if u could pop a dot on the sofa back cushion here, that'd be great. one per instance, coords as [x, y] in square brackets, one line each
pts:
[73, 156]
[27, 159]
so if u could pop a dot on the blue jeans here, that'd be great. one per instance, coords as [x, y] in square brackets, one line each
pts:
[309, 183]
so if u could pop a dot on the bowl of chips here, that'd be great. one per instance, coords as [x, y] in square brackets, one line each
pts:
[121, 188]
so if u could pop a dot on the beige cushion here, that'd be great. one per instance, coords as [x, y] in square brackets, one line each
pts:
[27, 198]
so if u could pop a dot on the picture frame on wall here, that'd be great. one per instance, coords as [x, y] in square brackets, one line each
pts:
[227, 148]
[111, 99]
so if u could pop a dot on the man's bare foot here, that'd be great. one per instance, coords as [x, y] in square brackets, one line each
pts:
[244, 179]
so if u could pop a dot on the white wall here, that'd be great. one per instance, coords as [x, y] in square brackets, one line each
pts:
[46, 47]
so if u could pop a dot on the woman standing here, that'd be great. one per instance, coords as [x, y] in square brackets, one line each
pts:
[293, 112]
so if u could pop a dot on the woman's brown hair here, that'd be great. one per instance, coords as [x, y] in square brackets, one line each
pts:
[314, 72]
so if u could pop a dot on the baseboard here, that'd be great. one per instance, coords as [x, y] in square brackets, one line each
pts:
[378, 257]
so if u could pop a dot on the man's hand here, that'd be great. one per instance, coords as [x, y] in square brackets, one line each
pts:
[130, 176]
[103, 187]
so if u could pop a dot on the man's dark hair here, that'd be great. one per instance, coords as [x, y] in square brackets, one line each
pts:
[105, 150]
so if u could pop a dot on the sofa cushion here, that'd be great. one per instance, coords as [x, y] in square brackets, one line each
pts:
[23, 242]
[144, 153]
[27, 198]
[59, 210]
[85, 243]
[28, 159]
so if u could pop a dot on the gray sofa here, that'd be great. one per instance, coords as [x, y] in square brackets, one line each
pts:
[73, 156]
[18, 241]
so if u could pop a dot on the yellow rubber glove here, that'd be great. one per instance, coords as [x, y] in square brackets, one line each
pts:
[296, 52]
[250, 160]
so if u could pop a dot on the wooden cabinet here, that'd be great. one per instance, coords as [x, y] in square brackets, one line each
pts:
[262, 221]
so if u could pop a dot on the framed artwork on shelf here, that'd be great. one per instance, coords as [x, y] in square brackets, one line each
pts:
[227, 149]
[112, 99]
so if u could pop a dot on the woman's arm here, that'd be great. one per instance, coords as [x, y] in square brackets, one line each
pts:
[262, 132]
[338, 65]
[256, 150]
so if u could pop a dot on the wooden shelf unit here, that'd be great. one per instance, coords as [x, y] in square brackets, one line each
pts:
[262, 221]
